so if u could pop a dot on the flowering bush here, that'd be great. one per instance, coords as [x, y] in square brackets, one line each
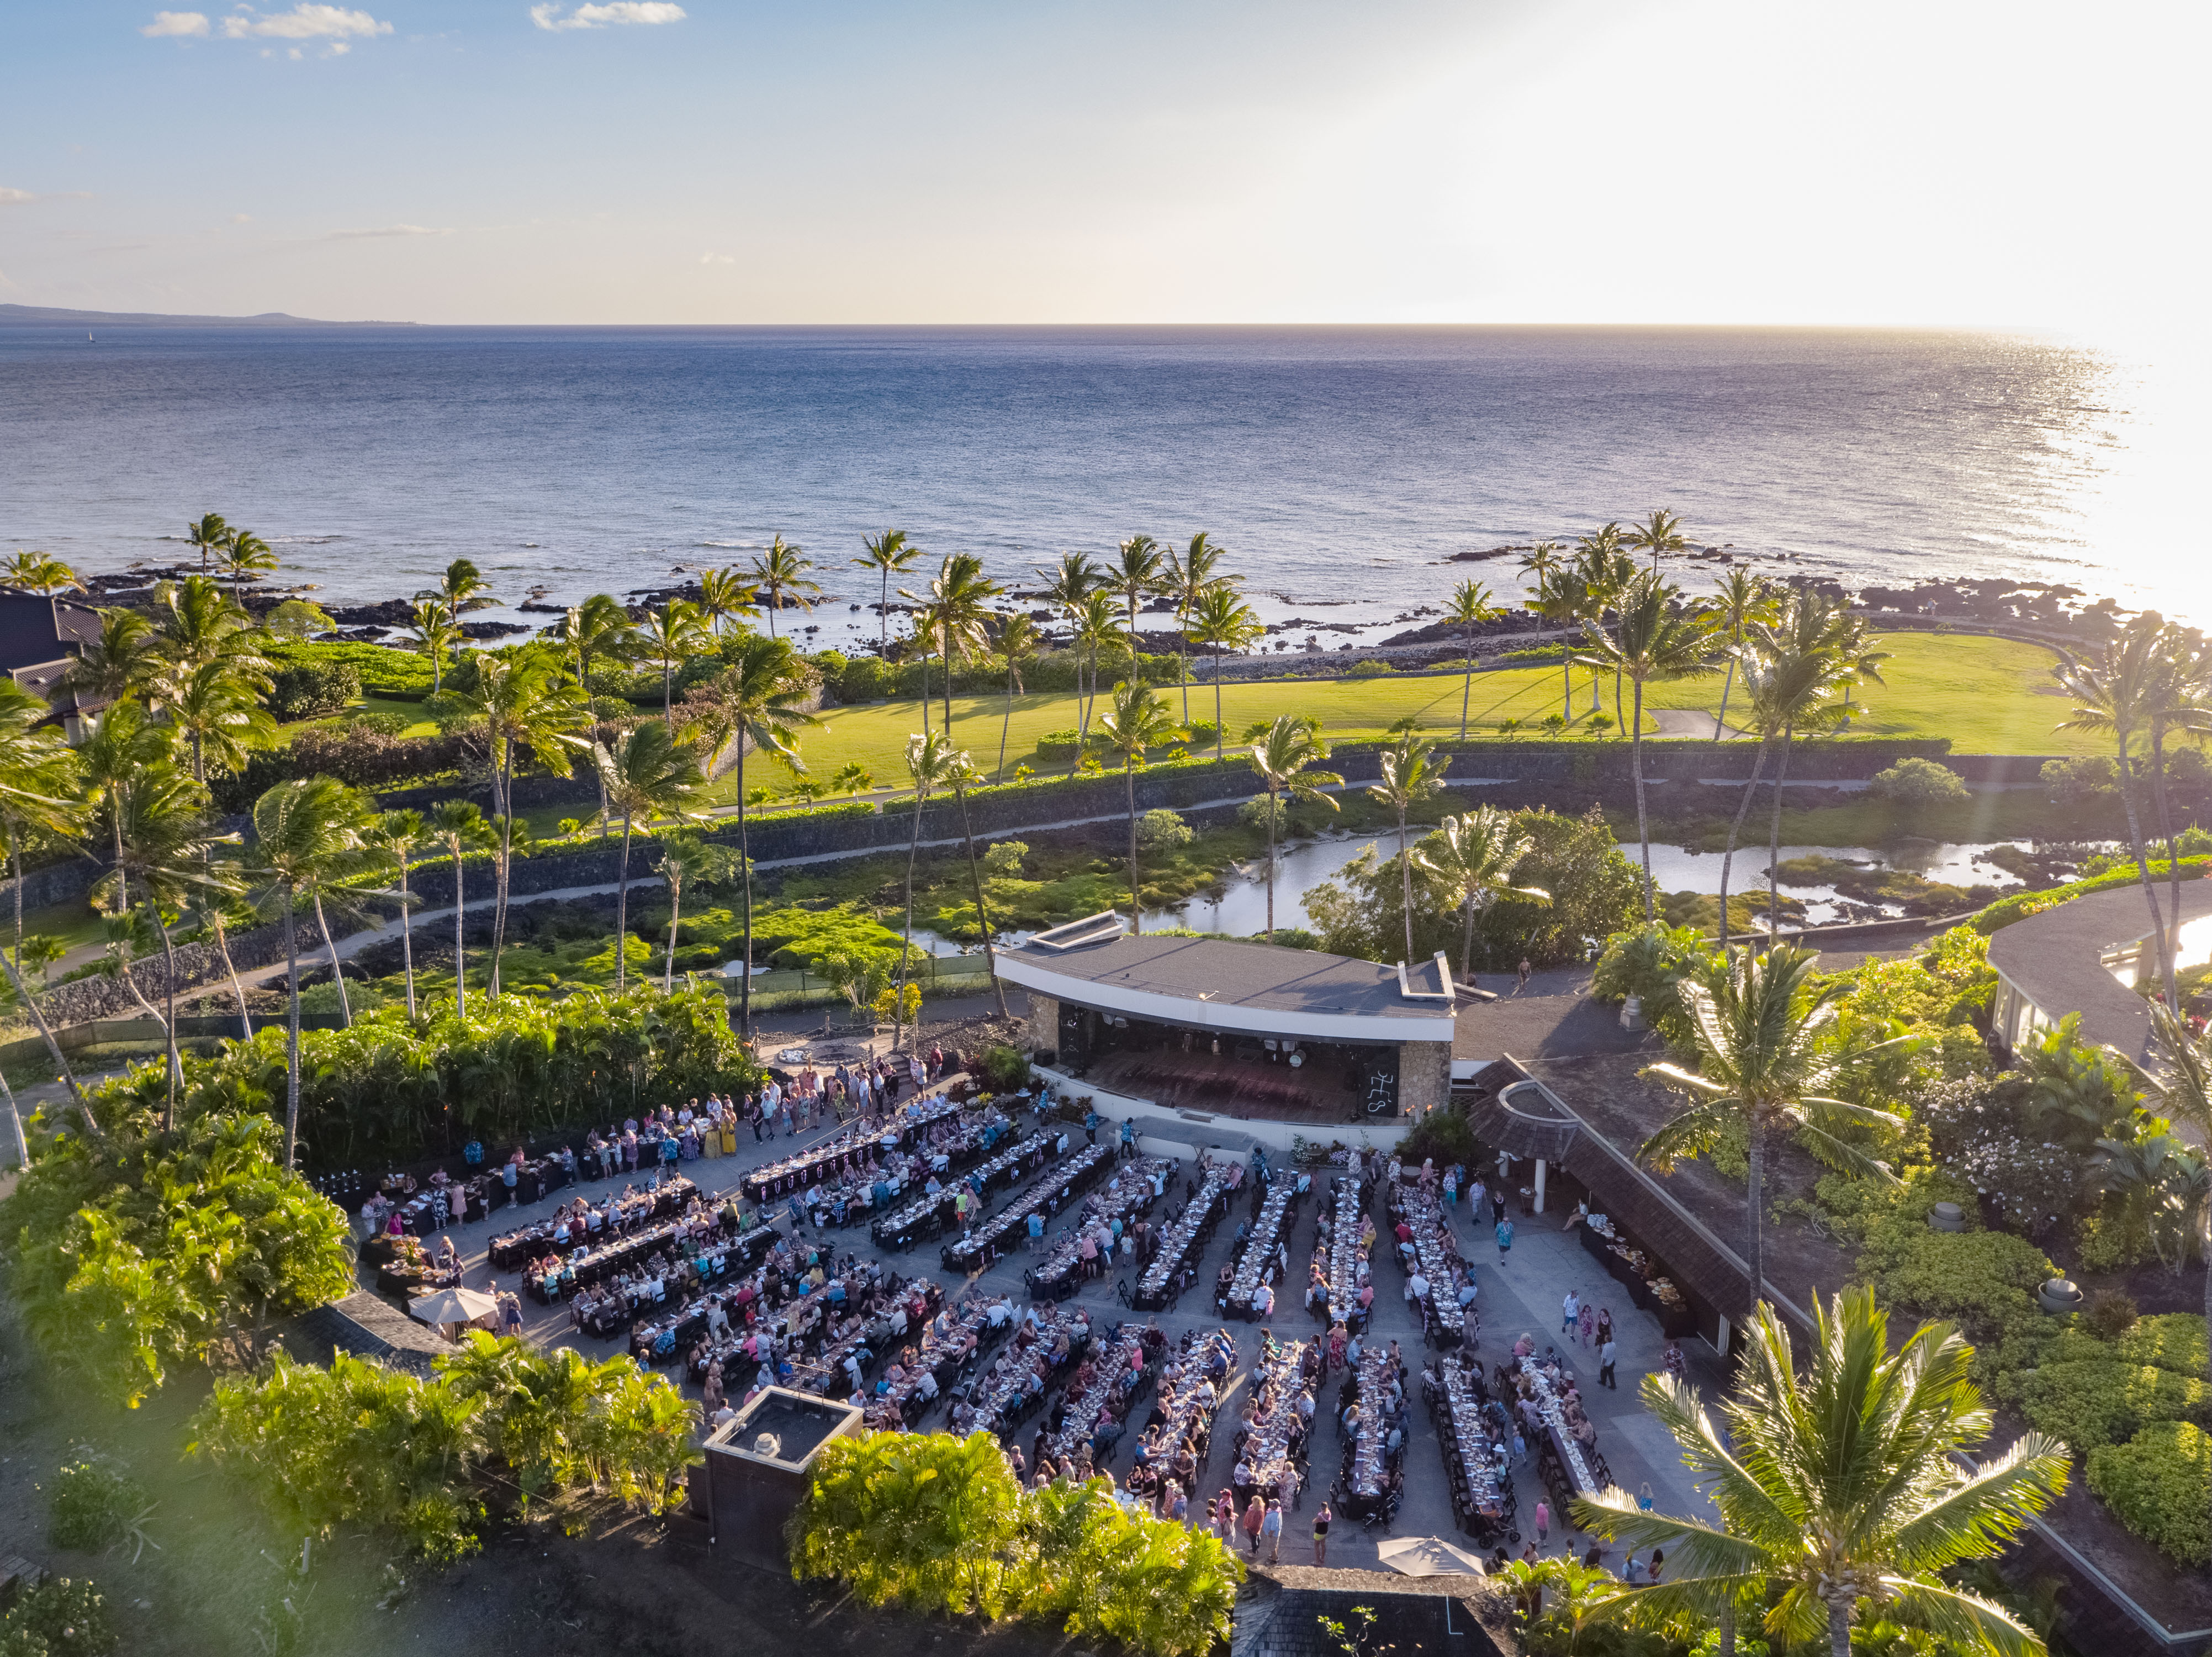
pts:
[2037, 1183]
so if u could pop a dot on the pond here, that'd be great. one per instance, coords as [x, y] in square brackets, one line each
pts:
[1241, 911]
[1960, 863]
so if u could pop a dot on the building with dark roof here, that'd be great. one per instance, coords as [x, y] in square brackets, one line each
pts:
[1245, 1030]
[40, 637]
[2086, 956]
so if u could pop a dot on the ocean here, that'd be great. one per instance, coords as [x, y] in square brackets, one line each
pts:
[1342, 467]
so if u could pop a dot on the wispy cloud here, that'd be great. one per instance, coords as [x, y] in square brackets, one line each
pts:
[177, 23]
[598, 16]
[386, 230]
[716, 259]
[9, 197]
[305, 22]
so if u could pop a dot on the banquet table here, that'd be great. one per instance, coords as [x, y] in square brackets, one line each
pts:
[1481, 1484]
[774, 1181]
[930, 1212]
[1656, 1294]
[1579, 1468]
[534, 1241]
[1347, 1253]
[1119, 1378]
[886, 1178]
[722, 1260]
[1279, 1377]
[1129, 1193]
[1366, 1465]
[1011, 1388]
[967, 1251]
[1183, 1241]
[899, 1404]
[1258, 1253]
[1436, 1253]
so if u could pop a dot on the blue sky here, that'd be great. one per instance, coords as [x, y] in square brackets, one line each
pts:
[712, 161]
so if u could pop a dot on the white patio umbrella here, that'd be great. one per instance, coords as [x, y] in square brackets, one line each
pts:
[451, 1306]
[1427, 1556]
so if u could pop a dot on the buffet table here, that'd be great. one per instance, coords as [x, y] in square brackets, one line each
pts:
[1649, 1286]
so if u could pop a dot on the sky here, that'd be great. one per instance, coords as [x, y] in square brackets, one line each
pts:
[489, 162]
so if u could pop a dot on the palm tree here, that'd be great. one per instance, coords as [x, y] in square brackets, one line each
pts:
[1760, 1032]
[1137, 574]
[932, 763]
[646, 773]
[757, 702]
[950, 620]
[963, 776]
[198, 626]
[1017, 643]
[1788, 690]
[1660, 638]
[525, 699]
[1186, 578]
[125, 742]
[119, 662]
[1138, 721]
[888, 555]
[217, 707]
[2182, 704]
[1411, 774]
[725, 593]
[1469, 607]
[1662, 532]
[685, 856]
[459, 827]
[852, 778]
[42, 794]
[1743, 599]
[1283, 757]
[39, 572]
[463, 588]
[1844, 1492]
[1475, 855]
[307, 836]
[244, 555]
[1067, 585]
[1561, 598]
[780, 569]
[599, 629]
[207, 536]
[1605, 571]
[2131, 688]
[437, 634]
[161, 844]
[395, 834]
[1221, 621]
[676, 630]
[1098, 626]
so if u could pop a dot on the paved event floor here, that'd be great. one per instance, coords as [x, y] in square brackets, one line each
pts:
[1522, 1294]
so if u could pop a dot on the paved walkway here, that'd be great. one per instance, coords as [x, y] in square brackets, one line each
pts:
[1524, 1294]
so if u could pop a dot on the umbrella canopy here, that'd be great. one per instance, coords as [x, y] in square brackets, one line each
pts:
[452, 1305]
[1426, 1556]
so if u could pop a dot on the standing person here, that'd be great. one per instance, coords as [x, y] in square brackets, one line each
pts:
[1526, 969]
[1254, 1517]
[1504, 1239]
[1588, 1325]
[1037, 1229]
[1498, 1202]
[1543, 1522]
[1322, 1516]
[1570, 1310]
[1607, 1353]
[1271, 1526]
[1604, 1326]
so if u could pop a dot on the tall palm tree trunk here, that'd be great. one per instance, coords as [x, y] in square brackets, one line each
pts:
[1467, 943]
[15, 868]
[898, 996]
[1755, 1241]
[982, 916]
[505, 874]
[668, 693]
[292, 1026]
[1720, 718]
[1467, 690]
[53, 1046]
[1839, 1625]
[1136, 904]
[1774, 841]
[15, 1122]
[745, 862]
[1406, 873]
[1566, 683]
[1642, 817]
[2142, 869]
[1736, 829]
[622, 910]
[675, 914]
[1271, 862]
[169, 1003]
[2172, 866]
[237, 989]
[338, 968]
[1218, 734]
[1007, 725]
[406, 936]
[460, 947]
[925, 690]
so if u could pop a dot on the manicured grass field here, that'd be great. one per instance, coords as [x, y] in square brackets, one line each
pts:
[1983, 693]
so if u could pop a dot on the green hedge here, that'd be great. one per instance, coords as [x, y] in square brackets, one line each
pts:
[2158, 1484]
[1984, 1282]
[383, 670]
[2108, 1401]
[2021, 905]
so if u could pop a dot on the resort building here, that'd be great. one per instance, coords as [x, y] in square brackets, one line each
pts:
[40, 637]
[1207, 1026]
[2090, 956]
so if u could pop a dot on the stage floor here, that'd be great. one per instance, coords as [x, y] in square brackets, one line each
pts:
[1317, 1092]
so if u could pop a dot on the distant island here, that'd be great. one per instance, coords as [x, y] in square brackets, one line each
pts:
[50, 317]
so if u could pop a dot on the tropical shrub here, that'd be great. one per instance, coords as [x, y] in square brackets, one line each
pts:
[1002, 859]
[92, 1504]
[1649, 963]
[380, 669]
[303, 689]
[1255, 812]
[62, 1617]
[1913, 782]
[2111, 1313]
[1369, 667]
[2158, 1484]
[1985, 1282]
[934, 1522]
[2106, 1401]
[2079, 781]
[1006, 1070]
[154, 1249]
[393, 1089]
[360, 1444]
[1162, 831]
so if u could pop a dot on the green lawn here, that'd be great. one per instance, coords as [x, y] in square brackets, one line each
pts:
[1983, 693]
